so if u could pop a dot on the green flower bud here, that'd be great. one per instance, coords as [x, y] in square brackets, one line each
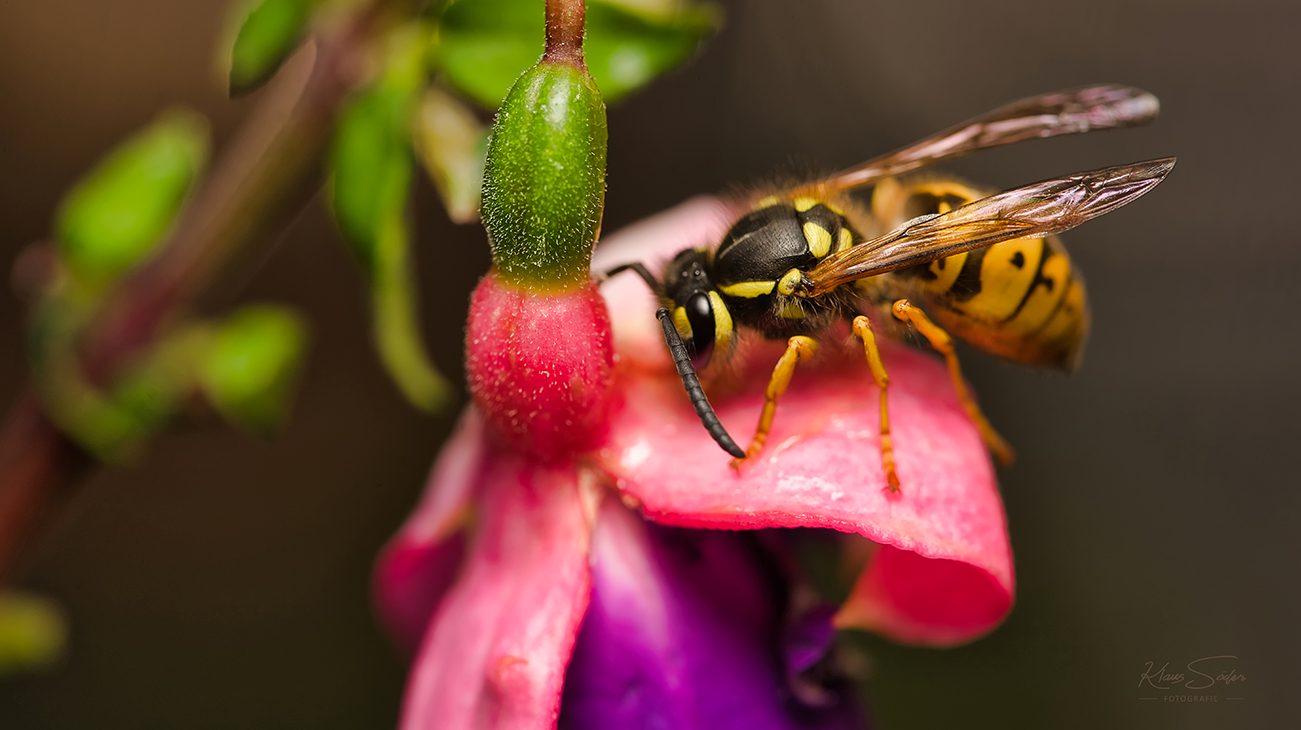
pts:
[544, 179]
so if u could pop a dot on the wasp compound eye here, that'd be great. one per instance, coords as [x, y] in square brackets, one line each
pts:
[700, 314]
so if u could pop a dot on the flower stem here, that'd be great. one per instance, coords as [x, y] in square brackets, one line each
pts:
[565, 20]
[271, 163]
[39, 467]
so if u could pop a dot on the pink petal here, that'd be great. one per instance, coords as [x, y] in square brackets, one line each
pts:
[419, 564]
[917, 600]
[822, 464]
[496, 652]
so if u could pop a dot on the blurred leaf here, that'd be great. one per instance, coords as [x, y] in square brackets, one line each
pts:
[113, 422]
[246, 367]
[396, 321]
[33, 632]
[451, 144]
[116, 214]
[484, 45]
[252, 364]
[372, 165]
[86, 415]
[627, 50]
[371, 157]
[267, 36]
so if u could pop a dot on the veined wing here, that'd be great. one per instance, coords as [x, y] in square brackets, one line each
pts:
[1071, 111]
[1035, 210]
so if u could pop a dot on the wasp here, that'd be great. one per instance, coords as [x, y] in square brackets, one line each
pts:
[932, 254]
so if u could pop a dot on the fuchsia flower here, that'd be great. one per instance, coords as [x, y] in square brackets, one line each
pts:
[535, 593]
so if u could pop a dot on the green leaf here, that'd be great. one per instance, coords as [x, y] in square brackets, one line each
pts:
[396, 322]
[484, 45]
[114, 422]
[626, 51]
[371, 156]
[115, 215]
[33, 632]
[252, 364]
[544, 178]
[267, 36]
[451, 144]
[372, 166]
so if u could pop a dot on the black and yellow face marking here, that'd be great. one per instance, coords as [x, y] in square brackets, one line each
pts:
[699, 314]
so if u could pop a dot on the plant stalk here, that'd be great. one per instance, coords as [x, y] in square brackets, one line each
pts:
[271, 161]
[565, 20]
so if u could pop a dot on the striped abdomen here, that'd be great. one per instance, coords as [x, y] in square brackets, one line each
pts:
[1019, 299]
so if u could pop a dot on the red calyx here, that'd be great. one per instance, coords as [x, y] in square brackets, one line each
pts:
[539, 365]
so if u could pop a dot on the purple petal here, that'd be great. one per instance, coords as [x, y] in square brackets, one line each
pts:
[809, 638]
[683, 631]
[810, 671]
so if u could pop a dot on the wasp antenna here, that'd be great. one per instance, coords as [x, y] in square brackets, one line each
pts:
[636, 266]
[692, 384]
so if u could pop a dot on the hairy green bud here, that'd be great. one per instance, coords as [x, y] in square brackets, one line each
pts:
[544, 179]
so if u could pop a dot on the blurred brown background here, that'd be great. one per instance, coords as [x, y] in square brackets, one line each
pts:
[222, 582]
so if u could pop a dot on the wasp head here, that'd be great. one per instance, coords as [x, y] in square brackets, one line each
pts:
[699, 313]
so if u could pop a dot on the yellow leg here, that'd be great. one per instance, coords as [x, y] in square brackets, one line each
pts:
[797, 347]
[863, 328]
[941, 341]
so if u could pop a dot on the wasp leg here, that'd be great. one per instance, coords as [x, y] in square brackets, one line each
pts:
[636, 267]
[797, 347]
[863, 328]
[941, 341]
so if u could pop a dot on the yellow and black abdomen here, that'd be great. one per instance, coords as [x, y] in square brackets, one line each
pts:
[1020, 299]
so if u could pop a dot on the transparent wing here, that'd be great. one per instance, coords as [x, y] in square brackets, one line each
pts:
[1035, 210]
[1071, 111]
